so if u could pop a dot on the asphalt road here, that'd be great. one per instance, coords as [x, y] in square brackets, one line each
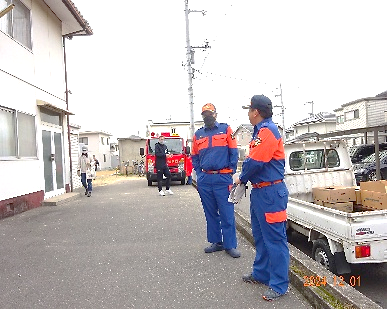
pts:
[124, 247]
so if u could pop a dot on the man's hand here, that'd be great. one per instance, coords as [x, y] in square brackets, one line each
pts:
[237, 181]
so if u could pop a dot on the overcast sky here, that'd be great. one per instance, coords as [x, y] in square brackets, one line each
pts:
[130, 70]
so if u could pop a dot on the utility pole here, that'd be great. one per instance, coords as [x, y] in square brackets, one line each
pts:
[190, 60]
[282, 113]
[311, 103]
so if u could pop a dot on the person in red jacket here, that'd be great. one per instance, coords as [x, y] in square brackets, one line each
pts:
[189, 170]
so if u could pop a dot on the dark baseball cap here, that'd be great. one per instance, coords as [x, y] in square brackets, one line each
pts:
[260, 102]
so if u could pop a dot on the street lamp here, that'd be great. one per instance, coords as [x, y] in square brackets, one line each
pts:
[7, 10]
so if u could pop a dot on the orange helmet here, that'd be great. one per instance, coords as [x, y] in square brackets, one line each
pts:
[209, 107]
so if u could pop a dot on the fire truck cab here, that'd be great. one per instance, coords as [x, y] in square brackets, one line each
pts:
[176, 160]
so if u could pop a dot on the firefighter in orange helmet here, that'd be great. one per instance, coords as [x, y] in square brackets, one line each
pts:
[215, 158]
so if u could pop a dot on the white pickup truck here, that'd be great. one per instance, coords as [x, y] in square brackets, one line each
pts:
[339, 238]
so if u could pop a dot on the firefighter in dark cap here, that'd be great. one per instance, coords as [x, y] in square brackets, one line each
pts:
[265, 168]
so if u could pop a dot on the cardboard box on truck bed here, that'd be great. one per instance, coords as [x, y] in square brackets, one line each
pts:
[377, 186]
[334, 194]
[374, 194]
[343, 206]
[358, 195]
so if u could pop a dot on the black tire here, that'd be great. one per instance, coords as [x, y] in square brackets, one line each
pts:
[289, 234]
[322, 254]
[149, 183]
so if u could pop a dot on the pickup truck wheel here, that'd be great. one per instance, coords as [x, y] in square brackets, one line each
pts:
[149, 183]
[289, 233]
[322, 254]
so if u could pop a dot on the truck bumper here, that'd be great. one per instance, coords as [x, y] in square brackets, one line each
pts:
[174, 176]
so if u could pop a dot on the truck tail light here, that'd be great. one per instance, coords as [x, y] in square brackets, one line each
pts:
[362, 251]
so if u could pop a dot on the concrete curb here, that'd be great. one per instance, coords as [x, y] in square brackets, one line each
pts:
[303, 268]
[61, 199]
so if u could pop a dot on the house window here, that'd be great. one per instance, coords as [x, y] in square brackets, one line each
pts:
[340, 119]
[104, 158]
[84, 140]
[17, 23]
[351, 115]
[17, 134]
[102, 141]
[50, 116]
[173, 130]
[107, 141]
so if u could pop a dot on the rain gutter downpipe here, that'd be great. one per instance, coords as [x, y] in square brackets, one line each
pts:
[69, 36]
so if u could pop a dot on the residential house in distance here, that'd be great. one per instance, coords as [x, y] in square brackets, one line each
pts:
[321, 123]
[243, 135]
[361, 113]
[75, 153]
[34, 151]
[98, 144]
[115, 154]
[129, 151]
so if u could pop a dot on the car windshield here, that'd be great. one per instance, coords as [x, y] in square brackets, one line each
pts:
[371, 158]
[174, 145]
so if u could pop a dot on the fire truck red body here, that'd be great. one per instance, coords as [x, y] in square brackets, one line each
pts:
[177, 159]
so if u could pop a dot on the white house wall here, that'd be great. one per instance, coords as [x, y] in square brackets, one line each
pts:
[96, 148]
[48, 50]
[376, 111]
[25, 77]
[360, 122]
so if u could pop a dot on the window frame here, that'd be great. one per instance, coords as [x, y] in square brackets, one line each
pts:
[82, 142]
[16, 136]
[320, 154]
[354, 114]
[10, 31]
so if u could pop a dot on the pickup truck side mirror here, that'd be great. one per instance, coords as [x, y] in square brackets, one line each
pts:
[187, 150]
[142, 152]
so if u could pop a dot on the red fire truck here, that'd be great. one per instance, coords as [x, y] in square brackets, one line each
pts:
[176, 162]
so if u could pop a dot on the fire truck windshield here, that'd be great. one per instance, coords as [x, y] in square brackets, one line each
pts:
[174, 145]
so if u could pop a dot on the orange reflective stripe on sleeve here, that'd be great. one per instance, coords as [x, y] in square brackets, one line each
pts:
[202, 143]
[232, 143]
[265, 146]
[194, 150]
[219, 140]
[276, 217]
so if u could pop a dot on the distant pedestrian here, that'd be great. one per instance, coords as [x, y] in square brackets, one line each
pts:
[86, 169]
[189, 170]
[265, 168]
[215, 158]
[96, 163]
[161, 152]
